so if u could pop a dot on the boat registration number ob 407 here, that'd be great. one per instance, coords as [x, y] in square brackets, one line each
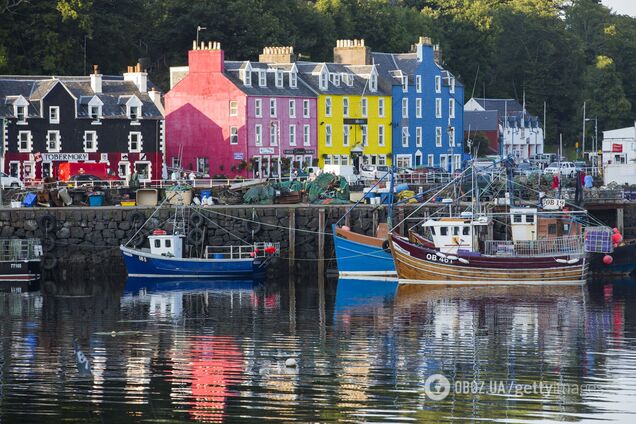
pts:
[434, 258]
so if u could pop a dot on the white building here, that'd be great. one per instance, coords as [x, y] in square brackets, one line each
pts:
[619, 155]
[520, 134]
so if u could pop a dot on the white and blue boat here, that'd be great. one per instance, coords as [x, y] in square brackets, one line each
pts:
[358, 255]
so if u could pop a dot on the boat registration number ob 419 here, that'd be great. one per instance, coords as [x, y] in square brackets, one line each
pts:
[434, 258]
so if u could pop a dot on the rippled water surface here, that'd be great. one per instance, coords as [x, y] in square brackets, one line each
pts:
[365, 352]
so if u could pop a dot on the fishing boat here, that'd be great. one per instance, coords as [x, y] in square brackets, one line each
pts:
[546, 248]
[360, 255]
[168, 256]
[20, 260]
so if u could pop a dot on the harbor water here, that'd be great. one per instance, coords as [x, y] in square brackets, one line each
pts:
[318, 350]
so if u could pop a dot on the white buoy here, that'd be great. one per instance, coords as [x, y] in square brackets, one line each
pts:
[113, 333]
[291, 363]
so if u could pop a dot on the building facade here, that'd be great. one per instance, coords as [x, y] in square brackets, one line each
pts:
[252, 119]
[521, 134]
[427, 107]
[619, 155]
[97, 119]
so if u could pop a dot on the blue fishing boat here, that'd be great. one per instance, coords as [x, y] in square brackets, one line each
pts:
[359, 255]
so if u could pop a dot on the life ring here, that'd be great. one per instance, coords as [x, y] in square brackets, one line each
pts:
[195, 236]
[196, 219]
[47, 223]
[253, 226]
[49, 287]
[49, 262]
[386, 246]
[137, 219]
[136, 238]
[48, 243]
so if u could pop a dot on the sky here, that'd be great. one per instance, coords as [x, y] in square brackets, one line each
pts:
[622, 7]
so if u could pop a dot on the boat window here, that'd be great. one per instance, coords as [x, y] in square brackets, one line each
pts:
[566, 228]
[455, 231]
[443, 231]
[530, 219]
[168, 243]
[517, 218]
[552, 228]
[466, 231]
[433, 230]
[157, 243]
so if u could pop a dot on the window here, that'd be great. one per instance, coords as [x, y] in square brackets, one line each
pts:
[345, 106]
[438, 108]
[272, 108]
[418, 83]
[344, 160]
[438, 84]
[306, 109]
[292, 108]
[175, 163]
[135, 142]
[327, 160]
[21, 113]
[529, 219]
[203, 165]
[90, 142]
[143, 169]
[381, 108]
[94, 112]
[451, 108]
[233, 135]
[258, 108]
[324, 80]
[405, 137]
[293, 79]
[29, 170]
[516, 218]
[455, 231]
[381, 160]
[452, 85]
[328, 136]
[438, 136]
[373, 83]
[336, 79]
[364, 105]
[418, 108]
[292, 135]
[279, 78]
[405, 83]
[54, 114]
[258, 135]
[53, 141]
[167, 243]
[123, 169]
[273, 135]
[306, 135]
[451, 137]
[14, 168]
[418, 136]
[157, 243]
[327, 106]
[25, 141]
[365, 141]
[443, 231]
[380, 135]
[262, 78]
[466, 231]
[135, 111]
[233, 108]
[247, 77]
[345, 135]
[431, 160]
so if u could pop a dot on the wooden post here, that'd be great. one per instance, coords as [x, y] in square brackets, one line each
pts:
[620, 219]
[321, 241]
[401, 220]
[347, 220]
[292, 239]
[374, 222]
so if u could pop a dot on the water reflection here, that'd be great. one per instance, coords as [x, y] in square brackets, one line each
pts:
[211, 352]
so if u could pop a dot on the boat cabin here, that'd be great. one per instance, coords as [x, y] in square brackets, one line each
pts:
[452, 234]
[166, 245]
[527, 224]
[523, 223]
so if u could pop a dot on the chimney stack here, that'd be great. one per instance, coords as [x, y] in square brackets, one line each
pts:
[437, 54]
[283, 54]
[206, 58]
[351, 52]
[96, 80]
[136, 75]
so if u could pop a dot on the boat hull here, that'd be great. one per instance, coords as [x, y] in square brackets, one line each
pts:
[360, 255]
[16, 270]
[420, 265]
[623, 261]
[140, 264]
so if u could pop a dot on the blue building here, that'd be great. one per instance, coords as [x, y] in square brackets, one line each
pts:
[427, 104]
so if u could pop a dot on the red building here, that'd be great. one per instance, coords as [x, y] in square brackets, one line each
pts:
[485, 123]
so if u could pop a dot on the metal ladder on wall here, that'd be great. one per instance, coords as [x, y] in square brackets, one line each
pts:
[180, 221]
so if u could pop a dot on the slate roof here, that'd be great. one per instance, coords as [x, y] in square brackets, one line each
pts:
[34, 88]
[480, 120]
[512, 108]
[232, 72]
[392, 66]
[310, 73]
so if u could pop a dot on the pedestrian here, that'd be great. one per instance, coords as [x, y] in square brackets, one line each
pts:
[589, 181]
[191, 176]
[555, 182]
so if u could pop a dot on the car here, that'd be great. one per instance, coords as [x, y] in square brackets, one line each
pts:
[581, 165]
[562, 168]
[525, 168]
[9, 181]
[381, 171]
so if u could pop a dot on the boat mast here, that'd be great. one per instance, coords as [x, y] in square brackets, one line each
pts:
[389, 218]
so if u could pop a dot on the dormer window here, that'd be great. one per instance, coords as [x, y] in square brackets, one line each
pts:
[405, 83]
[262, 79]
[335, 79]
[452, 85]
[94, 112]
[279, 79]
[293, 79]
[247, 77]
[54, 114]
[373, 83]
[135, 111]
[21, 113]
[324, 80]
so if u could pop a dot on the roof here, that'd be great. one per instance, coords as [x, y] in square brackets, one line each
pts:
[233, 71]
[392, 66]
[310, 73]
[35, 88]
[480, 120]
[500, 105]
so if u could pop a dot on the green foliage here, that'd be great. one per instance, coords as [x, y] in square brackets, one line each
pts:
[547, 48]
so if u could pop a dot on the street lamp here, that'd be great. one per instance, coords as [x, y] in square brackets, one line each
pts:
[595, 144]
[199, 28]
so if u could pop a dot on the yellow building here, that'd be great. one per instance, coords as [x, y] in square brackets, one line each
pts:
[354, 112]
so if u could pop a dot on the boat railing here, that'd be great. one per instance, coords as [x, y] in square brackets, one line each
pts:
[566, 245]
[244, 251]
[20, 249]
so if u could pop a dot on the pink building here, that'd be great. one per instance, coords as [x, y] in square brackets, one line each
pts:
[239, 118]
